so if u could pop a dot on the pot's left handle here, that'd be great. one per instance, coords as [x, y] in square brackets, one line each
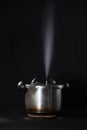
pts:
[22, 86]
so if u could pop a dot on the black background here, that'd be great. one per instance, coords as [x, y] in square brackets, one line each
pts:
[21, 50]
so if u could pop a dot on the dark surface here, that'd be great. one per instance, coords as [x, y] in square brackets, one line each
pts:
[74, 119]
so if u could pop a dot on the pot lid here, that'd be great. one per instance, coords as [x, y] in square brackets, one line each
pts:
[46, 83]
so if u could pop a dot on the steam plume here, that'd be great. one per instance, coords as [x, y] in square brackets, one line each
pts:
[48, 37]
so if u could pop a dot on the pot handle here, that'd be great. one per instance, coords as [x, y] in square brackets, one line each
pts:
[67, 85]
[63, 86]
[22, 86]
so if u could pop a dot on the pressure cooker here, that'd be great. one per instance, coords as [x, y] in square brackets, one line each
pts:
[42, 99]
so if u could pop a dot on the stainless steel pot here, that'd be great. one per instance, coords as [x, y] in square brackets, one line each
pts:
[42, 99]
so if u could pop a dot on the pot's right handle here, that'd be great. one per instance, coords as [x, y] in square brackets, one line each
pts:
[66, 84]
[22, 86]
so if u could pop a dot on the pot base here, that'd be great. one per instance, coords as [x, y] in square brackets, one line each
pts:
[41, 116]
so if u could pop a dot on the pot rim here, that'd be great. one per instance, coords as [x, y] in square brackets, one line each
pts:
[44, 86]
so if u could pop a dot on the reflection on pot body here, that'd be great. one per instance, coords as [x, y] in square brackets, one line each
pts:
[43, 99]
